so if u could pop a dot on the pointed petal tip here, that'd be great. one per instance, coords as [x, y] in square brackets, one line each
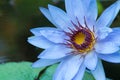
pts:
[113, 58]
[109, 15]
[49, 5]
[35, 65]
[36, 31]
[40, 42]
[52, 7]
[33, 30]
[41, 8]
[118, 1]
[29, 40]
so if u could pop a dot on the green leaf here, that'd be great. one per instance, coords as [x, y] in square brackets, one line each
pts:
[47, 75]
[18, 71]
[88, 76]
[24, 71]
[100, 7]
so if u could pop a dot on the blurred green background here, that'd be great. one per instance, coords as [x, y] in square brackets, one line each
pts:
[17, 17]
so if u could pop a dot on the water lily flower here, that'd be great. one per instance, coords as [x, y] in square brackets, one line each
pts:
[80, 40]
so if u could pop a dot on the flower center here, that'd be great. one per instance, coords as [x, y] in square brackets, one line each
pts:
[79, 38]
[82, 39]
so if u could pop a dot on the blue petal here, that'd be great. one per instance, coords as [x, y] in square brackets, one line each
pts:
[107, 17]
[99, 73]
[47, 14]
[45, 62]
[75, 10]
[70, 9]
[68, 68]
[55, 52]
[103, 32]
[35, 31]
[78, 10]
[114, 36]
[106, 47]
[91, 9]
[86, 4]
[61, 18]
[91, 60]
[80, 73]
[40, 41]
[114, 57]
[52, 34]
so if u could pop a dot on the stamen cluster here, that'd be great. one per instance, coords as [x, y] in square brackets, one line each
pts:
[81, 38]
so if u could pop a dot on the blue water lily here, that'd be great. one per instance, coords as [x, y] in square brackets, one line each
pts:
[79, 41]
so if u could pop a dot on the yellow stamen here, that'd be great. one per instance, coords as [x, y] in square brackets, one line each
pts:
[79, 38]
